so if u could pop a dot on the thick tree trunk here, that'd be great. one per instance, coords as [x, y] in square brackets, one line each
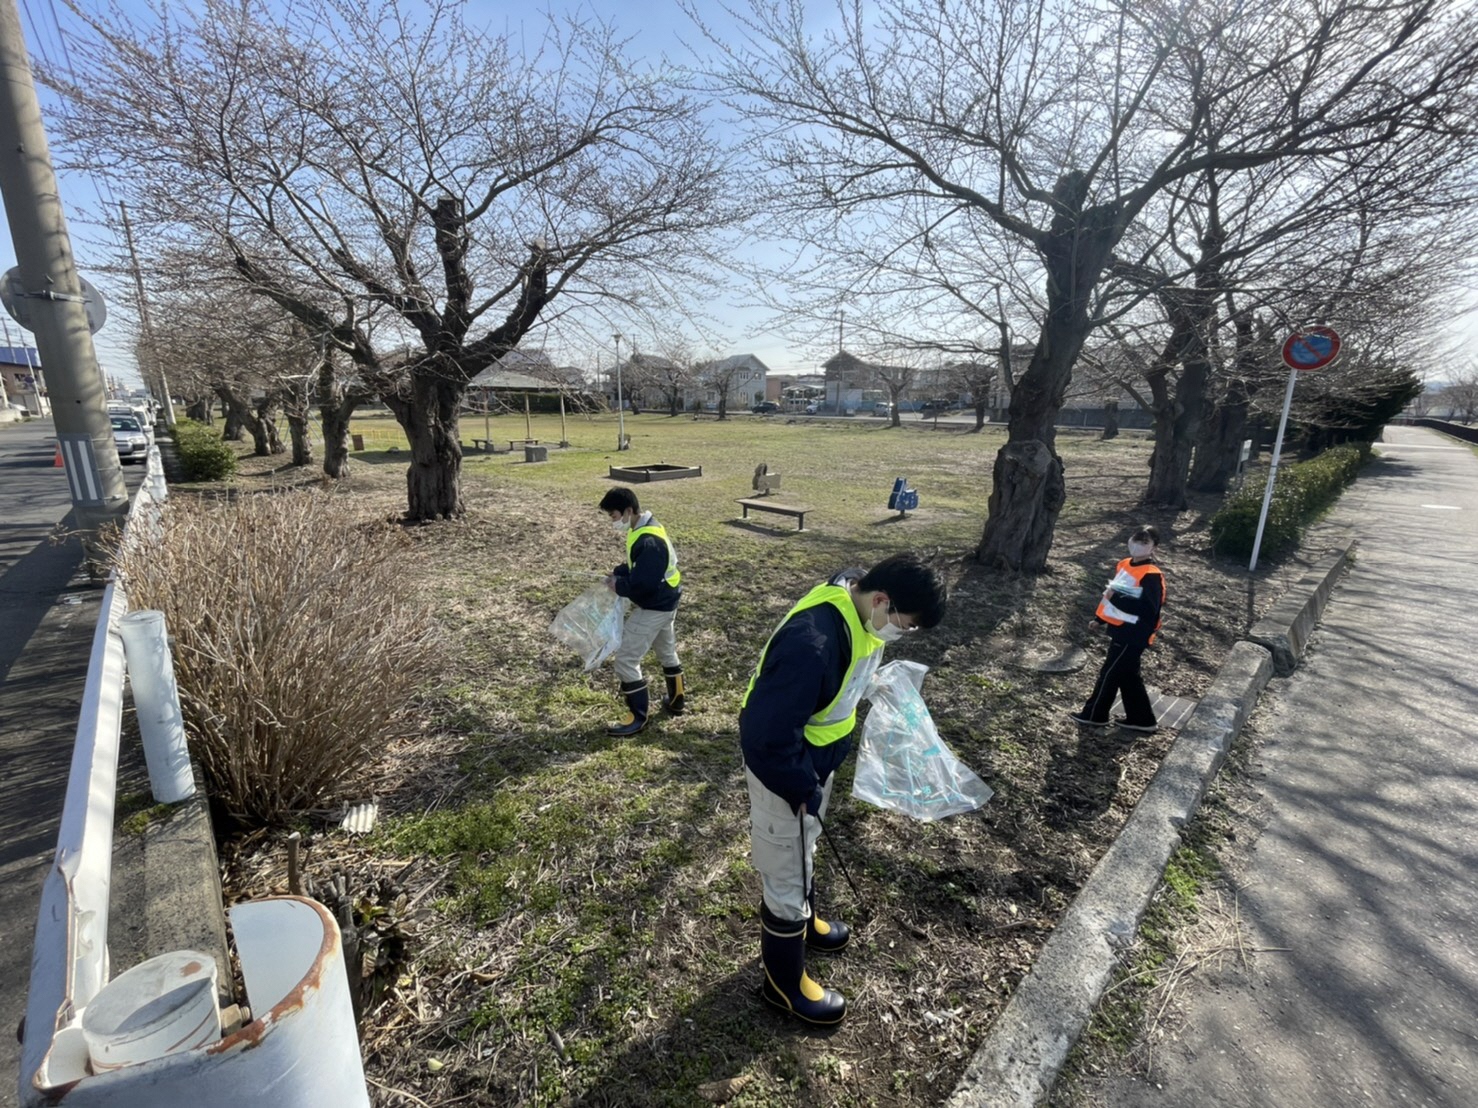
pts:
[334, 419]
[302, 445]
[1110, 420]
[1191, 315]
[1027, 490]
[235, 415]
[200, 410]
[429, 418]
[980, 415]
[336, 405]
[1215, 463]
[263, 427]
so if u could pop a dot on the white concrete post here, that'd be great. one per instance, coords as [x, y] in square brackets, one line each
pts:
[157, 699]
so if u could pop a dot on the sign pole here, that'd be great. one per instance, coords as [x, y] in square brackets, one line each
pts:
[1306, 350]
[1267, 496]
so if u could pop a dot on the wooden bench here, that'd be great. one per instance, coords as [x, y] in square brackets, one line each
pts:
[779, 509]
[487, 446]
[522, 442]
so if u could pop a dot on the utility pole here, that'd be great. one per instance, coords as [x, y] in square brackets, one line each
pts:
[47, 280]
[158, 381]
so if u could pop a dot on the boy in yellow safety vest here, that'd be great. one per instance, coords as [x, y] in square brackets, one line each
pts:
[651, 581]
[794, 723]
[1131, 606]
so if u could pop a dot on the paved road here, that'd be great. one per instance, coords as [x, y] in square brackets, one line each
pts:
[1365, 873]
[48, 610]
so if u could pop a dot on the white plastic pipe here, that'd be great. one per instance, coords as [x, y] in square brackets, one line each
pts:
[157, 699]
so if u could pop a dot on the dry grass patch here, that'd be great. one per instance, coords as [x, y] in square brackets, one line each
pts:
[588, 931]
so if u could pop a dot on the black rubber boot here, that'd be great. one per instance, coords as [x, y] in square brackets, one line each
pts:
[637, 702]
[675, 699]
[824, 936]
[787, 984]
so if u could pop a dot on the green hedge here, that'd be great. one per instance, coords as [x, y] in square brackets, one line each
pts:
[1302, 491]
[202, 453]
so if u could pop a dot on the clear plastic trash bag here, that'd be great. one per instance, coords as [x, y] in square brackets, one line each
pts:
[590, 625]
[902, 763]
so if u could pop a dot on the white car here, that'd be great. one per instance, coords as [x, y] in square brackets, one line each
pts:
[129, 437]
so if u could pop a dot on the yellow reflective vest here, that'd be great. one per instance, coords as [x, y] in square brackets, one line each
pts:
[672, 576]
[836, 720]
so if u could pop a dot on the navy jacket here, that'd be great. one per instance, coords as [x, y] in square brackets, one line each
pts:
[644, 581]
[803, 672]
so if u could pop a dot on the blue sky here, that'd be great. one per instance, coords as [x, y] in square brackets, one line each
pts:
[656, 29]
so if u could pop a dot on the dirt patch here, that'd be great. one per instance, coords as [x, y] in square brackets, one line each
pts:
[581, 915]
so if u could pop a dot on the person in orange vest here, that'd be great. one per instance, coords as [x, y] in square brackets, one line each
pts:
[1130, 607]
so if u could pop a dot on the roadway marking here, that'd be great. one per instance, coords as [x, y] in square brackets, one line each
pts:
[1443, 507]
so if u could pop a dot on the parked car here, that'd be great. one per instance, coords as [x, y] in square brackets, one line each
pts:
[765, 407]
[934, 407]
[882, 408]
[813, 407]
[129, 437]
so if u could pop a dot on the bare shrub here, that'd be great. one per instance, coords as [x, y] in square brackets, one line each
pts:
[299, 641]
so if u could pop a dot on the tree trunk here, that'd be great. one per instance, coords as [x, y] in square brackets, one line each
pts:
[723, 404]
[980, 414]
[297, 429]
[1027, 489]
[263, 426]
[1110, 420]
[336, 404]
[429, 418]
[234, 413]
[1217, 454]
[200, 411]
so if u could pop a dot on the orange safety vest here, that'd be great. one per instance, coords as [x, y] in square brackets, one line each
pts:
[1139, 573]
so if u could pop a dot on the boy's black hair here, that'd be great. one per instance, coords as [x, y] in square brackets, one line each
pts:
[914, 587]
[618, 500]
[1147, 533]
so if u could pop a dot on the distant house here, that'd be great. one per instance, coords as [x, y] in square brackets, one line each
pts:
[740, 377]
[24, 384]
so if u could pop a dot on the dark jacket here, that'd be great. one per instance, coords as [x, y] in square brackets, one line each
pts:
[1146, 606]
[803, 671]
[644, 581]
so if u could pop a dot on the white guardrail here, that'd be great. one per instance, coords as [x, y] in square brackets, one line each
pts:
[299, 1049]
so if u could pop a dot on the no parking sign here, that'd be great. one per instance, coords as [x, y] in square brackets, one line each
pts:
[1311, 348]
[1314, 348]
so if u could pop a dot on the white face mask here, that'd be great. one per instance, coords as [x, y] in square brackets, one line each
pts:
[1141, 549]
[890, 631]
[620, 526]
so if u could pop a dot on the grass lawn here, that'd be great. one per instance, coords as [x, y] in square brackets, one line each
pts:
[585, 929]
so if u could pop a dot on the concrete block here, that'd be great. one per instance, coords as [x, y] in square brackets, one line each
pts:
[182, 882]
[1025, 1050]
[536, 453]
[1286, 628]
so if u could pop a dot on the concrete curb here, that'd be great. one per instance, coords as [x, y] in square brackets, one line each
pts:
[182, 877]
[1028, 1044]
[1285, 630]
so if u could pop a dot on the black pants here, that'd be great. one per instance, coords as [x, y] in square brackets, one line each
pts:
[1120, 675]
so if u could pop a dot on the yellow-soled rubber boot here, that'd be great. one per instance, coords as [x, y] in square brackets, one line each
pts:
[787, 984]
[638, 700]
[824, 936]
[674, 700]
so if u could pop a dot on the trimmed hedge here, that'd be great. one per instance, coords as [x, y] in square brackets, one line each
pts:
[202, 453]
[1301, 492]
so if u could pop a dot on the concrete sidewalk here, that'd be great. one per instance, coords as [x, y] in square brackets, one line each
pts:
[1358, 892]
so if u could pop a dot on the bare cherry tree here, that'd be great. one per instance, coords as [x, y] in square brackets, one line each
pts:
[416, 189]
[1053, 125]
